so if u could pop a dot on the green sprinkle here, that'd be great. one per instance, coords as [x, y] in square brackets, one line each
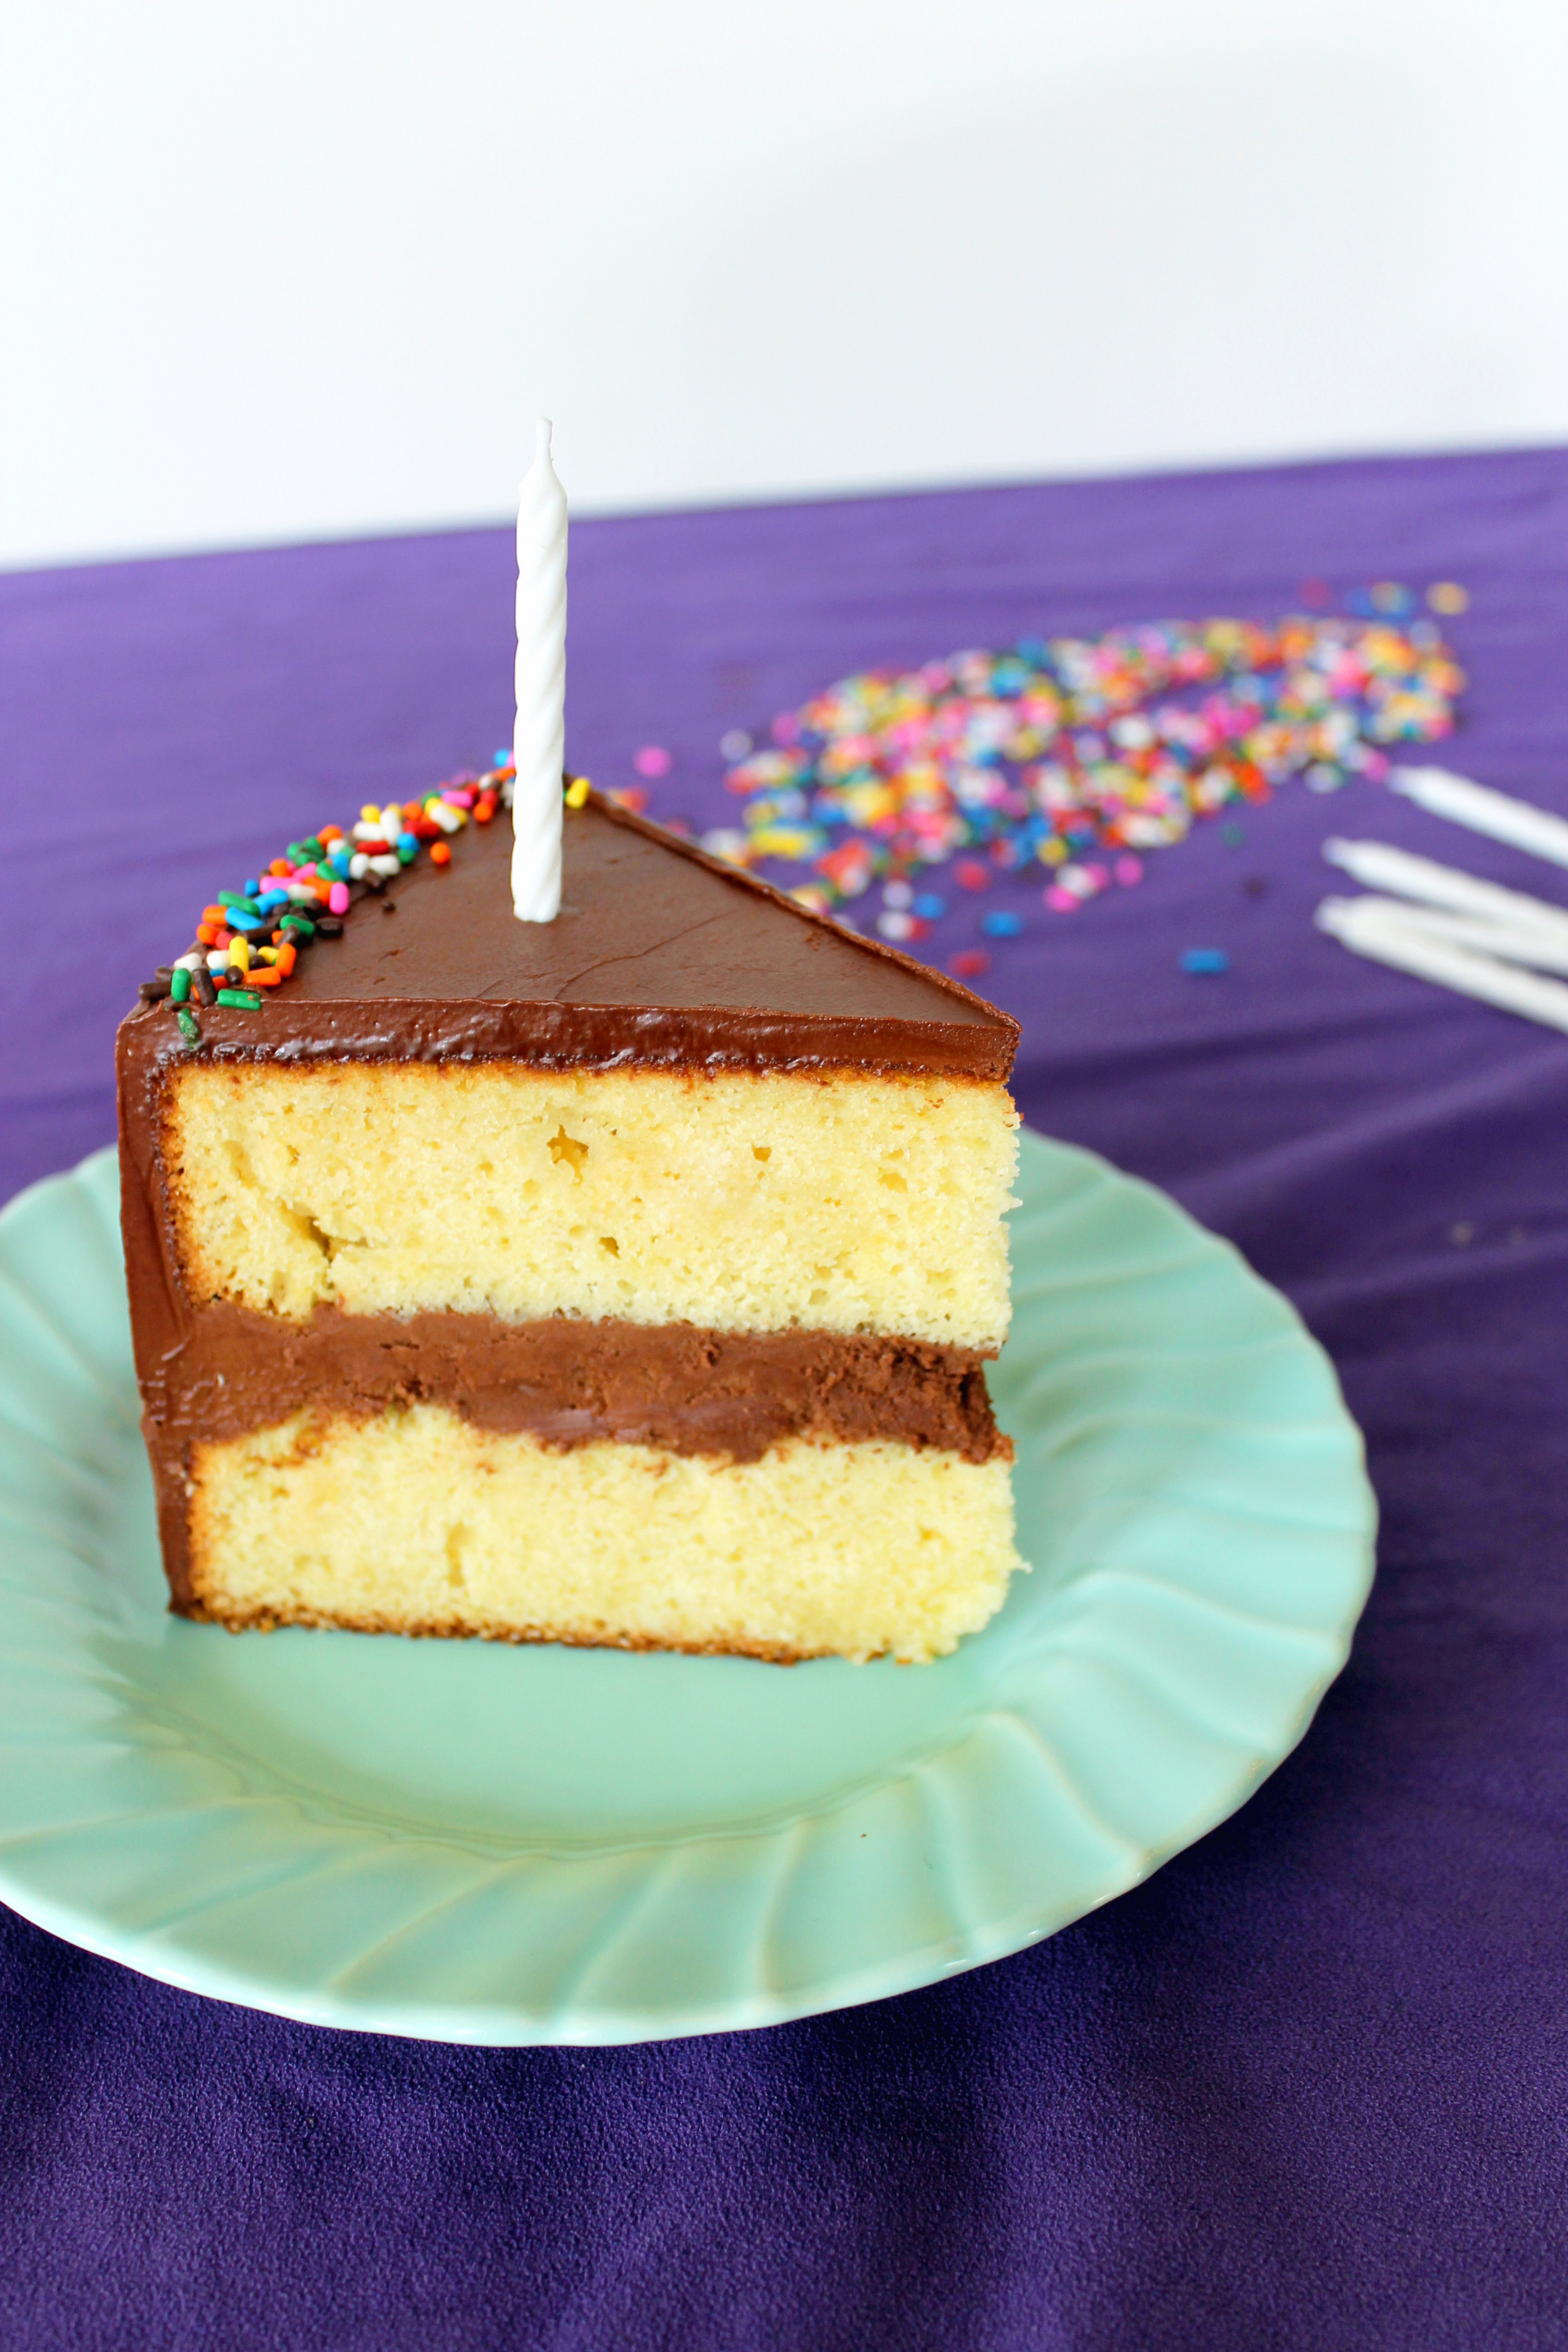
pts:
[240, 998]
[235, 900]
[303, 853]
[407, 850]
[301, 923]
[190, 1026]
[179, 983]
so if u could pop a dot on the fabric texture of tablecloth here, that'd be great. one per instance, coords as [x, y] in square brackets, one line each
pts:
[1307, 2087]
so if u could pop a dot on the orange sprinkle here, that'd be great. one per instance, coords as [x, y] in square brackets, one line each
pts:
[207, 934]
[439, 854]
[329, 833]
[213, 915]
[280, 866]
[286, 954]
[263, 975]
[484, 808]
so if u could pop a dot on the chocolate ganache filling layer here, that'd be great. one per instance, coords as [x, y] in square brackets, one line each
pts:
[568, 1381]
[564, 1382]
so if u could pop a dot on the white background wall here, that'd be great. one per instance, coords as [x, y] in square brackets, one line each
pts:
[308, 268]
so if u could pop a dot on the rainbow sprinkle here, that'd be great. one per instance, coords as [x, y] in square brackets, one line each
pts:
[250, 942]
[1080, 754]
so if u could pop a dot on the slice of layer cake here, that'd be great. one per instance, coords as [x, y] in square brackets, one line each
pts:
[625, 1279]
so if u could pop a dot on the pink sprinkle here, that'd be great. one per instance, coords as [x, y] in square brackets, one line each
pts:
[653, 759]
[970, 875]
[1128, 871]
[337, 898]
[462, 800]
[303, 873]
[1062, 901]
[786, 728]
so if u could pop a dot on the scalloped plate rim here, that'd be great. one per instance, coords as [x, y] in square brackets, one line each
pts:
[496, 2026]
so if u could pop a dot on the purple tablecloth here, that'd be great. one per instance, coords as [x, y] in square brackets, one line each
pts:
[1307, 2087]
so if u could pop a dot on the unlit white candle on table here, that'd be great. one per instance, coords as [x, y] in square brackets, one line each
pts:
[1497, 814]
[1390, 936]
[1383, 867]
[1538, 949]
[539, 738]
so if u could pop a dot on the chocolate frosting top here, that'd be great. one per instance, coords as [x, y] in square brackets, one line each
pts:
[661, 956]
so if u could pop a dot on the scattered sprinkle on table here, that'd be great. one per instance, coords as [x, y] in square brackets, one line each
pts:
[1080, 755]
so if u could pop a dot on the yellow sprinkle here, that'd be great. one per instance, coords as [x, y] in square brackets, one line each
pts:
[239, 953]
[266, 955]
[577, 792]
[370, 813]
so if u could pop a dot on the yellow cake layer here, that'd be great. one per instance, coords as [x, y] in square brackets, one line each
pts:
[734, 1202]
[417, 1522]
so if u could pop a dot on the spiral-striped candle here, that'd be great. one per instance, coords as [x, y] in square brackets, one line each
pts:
[539, 739]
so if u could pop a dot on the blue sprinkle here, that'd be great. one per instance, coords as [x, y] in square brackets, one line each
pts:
[503, 756]
[1001, 925]
[245, 923]
[931, 906]
[1204, 959]
[272, 898]
[252, 889]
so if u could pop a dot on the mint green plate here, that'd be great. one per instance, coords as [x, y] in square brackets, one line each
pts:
[472, 1842]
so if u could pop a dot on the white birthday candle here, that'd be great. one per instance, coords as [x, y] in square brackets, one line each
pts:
[1539, 949]
[1518, 823]
[1383, 867]
[539, 739]
[1388, 937]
